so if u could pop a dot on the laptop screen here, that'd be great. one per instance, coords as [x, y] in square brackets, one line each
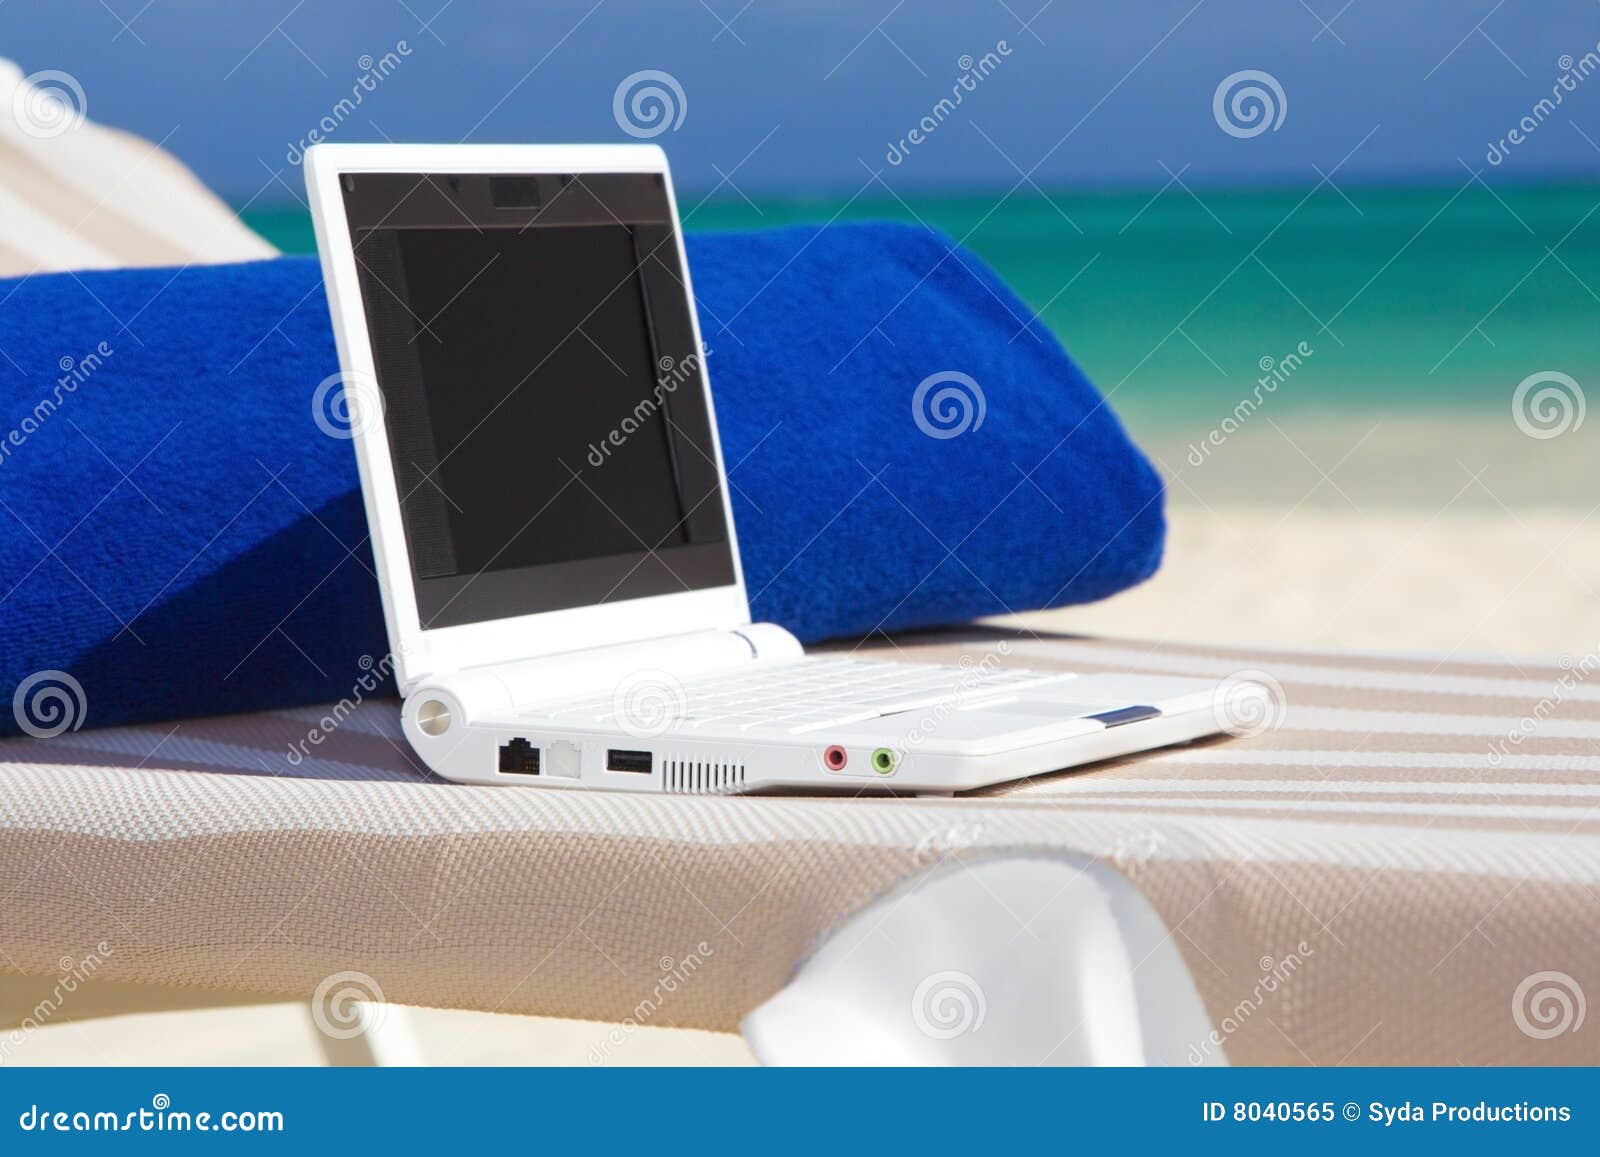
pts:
[541, 390]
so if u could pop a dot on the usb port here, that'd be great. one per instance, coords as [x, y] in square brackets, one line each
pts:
[639, 761]
[519, 757]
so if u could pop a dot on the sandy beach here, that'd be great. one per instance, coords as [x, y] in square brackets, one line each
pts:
[1423, 533]
[1456, 582]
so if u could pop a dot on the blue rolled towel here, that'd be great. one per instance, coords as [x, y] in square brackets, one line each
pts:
[182, 537]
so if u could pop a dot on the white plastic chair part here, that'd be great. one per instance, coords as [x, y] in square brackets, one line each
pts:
[1012, 961]
[78, 194]
[380, 1035]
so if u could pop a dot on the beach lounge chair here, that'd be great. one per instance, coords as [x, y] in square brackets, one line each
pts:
[1368, 881]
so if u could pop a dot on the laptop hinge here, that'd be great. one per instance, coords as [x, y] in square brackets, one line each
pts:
[612, 669]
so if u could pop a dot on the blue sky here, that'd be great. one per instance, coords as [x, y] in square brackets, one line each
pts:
[782, 96]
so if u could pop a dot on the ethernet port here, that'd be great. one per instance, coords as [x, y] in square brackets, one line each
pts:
[519, 757]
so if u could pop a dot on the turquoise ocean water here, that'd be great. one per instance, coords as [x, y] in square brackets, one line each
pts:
[1422, 298]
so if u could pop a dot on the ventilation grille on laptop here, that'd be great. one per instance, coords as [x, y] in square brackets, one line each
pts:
[700, 775]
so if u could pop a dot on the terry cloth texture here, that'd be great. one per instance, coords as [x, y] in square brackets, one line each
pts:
[183, 534]
[1382, 877]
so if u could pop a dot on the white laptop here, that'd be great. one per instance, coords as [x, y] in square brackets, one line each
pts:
[550, 515]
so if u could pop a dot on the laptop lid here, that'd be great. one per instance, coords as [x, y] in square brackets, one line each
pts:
[527, 395]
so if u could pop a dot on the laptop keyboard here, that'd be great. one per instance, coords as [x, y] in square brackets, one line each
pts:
[807, 695]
